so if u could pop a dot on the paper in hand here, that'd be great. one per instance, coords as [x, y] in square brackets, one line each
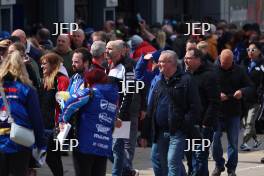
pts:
[122, 132]
[64, 133]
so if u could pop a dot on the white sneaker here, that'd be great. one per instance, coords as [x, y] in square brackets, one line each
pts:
[257, 144]
[245, 147]
[136, 172]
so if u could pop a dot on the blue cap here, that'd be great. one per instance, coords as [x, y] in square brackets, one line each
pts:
[4, 35]
[156, 55]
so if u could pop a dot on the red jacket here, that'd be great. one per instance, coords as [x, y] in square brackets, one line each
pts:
[63, 83]
[143, 48]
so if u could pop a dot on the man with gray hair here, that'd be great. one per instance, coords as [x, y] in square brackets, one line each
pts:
[98, 52]
[173, 106]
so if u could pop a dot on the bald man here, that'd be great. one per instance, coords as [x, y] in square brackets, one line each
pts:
[234, 86]
[120, 70]
[63, 49]
[78, 39]
[31, 51]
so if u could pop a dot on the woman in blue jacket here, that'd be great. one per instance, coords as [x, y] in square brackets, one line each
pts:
[97, 106]
[25, 110]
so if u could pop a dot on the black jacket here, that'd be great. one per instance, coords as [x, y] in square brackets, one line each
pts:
[230, 81]
[256, 75]
[209, 91]
[183, 103]
[123, 75]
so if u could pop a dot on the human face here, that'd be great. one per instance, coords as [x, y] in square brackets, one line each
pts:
[167, 65]
[226, 59]
[253, 52]
[77, 63]
[63, 43]
[96, 38]
[78, 38]
[191, 63]
[113, 53]
[46, 68]
[190, 46]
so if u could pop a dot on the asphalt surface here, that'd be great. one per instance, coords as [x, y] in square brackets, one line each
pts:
[249, 162]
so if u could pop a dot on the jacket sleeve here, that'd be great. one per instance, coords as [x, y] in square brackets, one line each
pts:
[127, 96]
[193, 103]
[212, 92]
[141, 72]
[63, 83]
[73, 104]
[246, 84]
[35, 115]
[147, 122]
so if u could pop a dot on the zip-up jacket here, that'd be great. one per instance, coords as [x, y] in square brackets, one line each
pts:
[25, 110]
[95, 123]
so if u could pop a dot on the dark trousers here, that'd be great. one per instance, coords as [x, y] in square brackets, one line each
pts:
[53, 158]
[14, 164]
[89, 165]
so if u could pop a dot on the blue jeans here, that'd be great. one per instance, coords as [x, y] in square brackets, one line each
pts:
[130, 144]
[167, 155]
[232, 126]
[118, 157]
[200, 157]
[156, 161]
[176, 154]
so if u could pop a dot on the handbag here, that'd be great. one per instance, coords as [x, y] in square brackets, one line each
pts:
[18, 134]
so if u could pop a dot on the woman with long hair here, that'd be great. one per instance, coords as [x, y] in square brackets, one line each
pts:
[54, 79]
[25, 110]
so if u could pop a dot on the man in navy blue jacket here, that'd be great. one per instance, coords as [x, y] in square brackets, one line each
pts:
[173, 105]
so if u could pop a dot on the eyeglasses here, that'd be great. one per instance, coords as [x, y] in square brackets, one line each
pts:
[185, 58]
[163, 62]
[252, 50]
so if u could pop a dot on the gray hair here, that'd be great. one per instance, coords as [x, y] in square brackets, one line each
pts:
[117, 44]
[98, 48]
[170, 54]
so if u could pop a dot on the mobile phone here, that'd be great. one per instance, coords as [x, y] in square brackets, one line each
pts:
[139, 18]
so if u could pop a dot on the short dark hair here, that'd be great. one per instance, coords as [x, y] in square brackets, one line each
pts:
[87, 56]
[191, 40]
[257, 44]
[196, 53]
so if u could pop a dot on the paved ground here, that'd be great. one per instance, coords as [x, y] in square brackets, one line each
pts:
[248, 165]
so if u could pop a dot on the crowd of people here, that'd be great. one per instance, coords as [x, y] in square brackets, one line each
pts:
[196, 87]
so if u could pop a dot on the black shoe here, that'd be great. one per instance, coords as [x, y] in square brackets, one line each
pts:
[133, 172]
[262, 160]
[217, 171]
[231, 173]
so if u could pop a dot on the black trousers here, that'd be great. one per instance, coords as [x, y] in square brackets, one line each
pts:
[53, 158]
[14, 164]
[89, 165]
